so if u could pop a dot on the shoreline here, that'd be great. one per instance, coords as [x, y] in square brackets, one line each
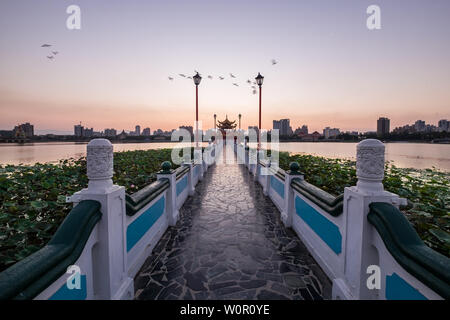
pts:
[28, 143]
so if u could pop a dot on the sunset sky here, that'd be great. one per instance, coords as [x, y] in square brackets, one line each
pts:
[331, 71]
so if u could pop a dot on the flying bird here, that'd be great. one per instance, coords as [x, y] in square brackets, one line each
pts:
[235, 84]
[170, 78]
[182, 75]
[249, 82]
[221, 78]
[253, 87]
[231, 75]
[189, 77]
[274, 62]
[254, 91]
[46, 45]
[55, 52]
[210, 77]
[50, 57]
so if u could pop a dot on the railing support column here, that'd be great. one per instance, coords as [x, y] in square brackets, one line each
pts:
[166, 172]
[266, 186]
[358, 251]
[286, 214]
[191, 186]
[109, 259]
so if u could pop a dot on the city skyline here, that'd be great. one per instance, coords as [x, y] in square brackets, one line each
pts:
[335, 72]
[283, 125]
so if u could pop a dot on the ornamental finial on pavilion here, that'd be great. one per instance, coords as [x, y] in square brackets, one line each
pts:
[226, 124]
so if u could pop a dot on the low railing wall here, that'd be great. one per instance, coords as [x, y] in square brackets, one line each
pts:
[361, 239]
[42, 275]
[106, 238]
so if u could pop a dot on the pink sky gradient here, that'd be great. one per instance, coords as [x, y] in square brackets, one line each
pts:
[332, 70]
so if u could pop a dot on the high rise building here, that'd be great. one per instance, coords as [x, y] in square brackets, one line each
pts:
[419, 126]
[383, 126]
[78, 130]
[137, 130]
[25, 129]
[146, 132]
[283, 126]
[444, 125]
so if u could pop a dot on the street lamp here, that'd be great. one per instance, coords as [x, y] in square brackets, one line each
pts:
[197, 78]
[259, 80]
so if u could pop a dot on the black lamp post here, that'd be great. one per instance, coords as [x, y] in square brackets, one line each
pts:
[259, 80]
[197, 78]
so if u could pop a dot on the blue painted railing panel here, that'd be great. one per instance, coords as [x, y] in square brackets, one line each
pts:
[182, 184]
[64, 293]
[144, 222]
[399, 289]
[277, 185]
[324, 228]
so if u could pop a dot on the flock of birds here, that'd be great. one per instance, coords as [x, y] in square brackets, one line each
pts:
[232, 76]
[252, 84]
[53, 53]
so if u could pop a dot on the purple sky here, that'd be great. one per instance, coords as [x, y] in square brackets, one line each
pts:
[332, 70]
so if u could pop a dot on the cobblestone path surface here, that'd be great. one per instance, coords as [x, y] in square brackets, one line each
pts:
[230, 244]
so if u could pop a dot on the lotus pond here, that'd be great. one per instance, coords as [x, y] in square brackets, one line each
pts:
[32, 198]
[427, 191]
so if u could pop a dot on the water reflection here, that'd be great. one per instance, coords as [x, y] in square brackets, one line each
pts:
[414, 155]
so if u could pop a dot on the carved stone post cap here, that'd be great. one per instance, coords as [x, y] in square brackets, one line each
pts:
[370, 160]
[99, 159]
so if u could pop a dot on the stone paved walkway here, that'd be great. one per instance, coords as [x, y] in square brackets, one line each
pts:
[230, 244]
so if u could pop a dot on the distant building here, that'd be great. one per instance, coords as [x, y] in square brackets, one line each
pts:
[24, 130]
[110, 132]
[330, 132]
[383, 126]
[137, 130]
[6, 133]
[146, 132]
[283, 126]
[88, 133]
[419, 126]
[122, 135]
[443, 125]
[406, 129]
[301, 131]
[78, 130]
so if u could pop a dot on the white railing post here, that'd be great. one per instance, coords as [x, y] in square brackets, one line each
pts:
[288, 210]
[266, 186]
[198, 160]
[166, 172]
[191, 187]
[109, 259]
[358, 251]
